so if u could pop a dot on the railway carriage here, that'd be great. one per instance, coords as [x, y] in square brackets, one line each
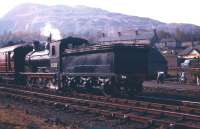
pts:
[12, 61]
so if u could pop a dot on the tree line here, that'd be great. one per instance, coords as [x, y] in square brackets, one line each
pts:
[10, 38]
[179, 35]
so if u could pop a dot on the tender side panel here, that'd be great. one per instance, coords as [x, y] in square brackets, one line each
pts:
[101, 62]
[132, 61]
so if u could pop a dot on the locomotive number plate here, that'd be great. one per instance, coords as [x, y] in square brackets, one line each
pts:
[54, 65]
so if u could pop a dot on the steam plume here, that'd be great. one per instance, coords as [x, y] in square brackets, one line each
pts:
[49, 29]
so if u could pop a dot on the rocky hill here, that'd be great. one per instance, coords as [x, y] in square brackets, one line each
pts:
[79, 20]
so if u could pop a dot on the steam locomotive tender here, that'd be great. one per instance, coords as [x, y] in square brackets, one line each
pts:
[71, 64]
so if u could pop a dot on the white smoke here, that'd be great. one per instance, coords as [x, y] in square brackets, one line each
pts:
[49, 29]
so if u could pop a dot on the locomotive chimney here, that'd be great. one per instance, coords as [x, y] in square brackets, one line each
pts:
[155, 32]
[103, 35]
[49, 39]
[136, 32]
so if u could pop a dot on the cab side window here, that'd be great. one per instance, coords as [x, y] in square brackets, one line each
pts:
[53, 50]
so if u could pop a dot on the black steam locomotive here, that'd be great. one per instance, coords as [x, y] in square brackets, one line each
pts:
[72, 64]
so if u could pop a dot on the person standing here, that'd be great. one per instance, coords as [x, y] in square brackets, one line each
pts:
[160, 77]
[182, 77]
[198, 80]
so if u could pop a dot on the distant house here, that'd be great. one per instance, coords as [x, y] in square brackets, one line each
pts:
[138, 37]
[190, 53]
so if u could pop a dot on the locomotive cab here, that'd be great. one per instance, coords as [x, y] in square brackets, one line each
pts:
[58, 47]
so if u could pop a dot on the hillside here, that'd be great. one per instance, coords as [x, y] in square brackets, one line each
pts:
[80, 20]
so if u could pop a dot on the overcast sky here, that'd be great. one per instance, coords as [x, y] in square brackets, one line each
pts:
[180, 11]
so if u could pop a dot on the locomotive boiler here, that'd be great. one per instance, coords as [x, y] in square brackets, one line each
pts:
[72, 64]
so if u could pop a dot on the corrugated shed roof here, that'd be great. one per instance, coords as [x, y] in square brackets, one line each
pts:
[142, 35]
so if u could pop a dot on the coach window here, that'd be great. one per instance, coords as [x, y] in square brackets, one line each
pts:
[53, 51]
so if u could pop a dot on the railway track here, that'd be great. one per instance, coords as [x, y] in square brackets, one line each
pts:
[167, 104]
[171, 101]
[150, 114]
